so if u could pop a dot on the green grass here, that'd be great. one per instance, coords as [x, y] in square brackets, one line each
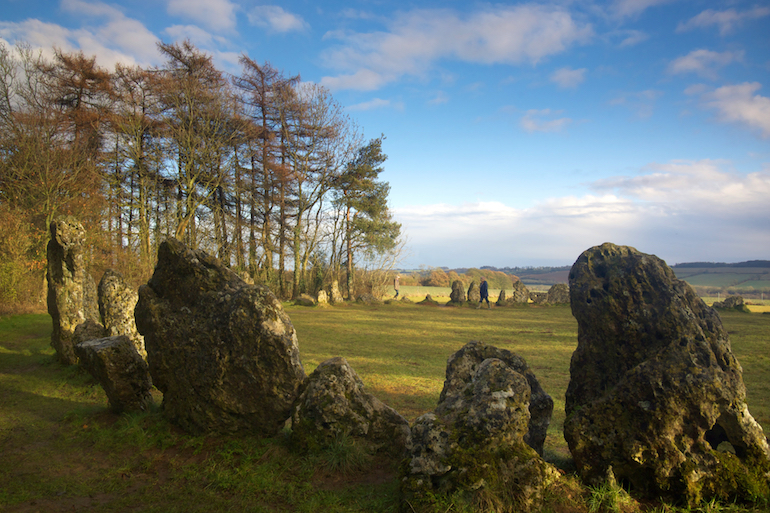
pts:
[62, 449]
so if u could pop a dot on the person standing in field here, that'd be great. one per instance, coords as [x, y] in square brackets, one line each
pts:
[484, 292]
[395, 285]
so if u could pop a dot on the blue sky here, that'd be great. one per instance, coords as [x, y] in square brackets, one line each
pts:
[518, 133]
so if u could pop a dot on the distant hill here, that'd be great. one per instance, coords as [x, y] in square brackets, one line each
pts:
[739, 278]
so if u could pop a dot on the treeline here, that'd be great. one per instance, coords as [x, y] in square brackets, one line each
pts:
[439, 277]
[708, 265]
[262, 170]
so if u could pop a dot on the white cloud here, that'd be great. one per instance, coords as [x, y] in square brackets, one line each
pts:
[540, 121]
[739, 104]
[117, 39]
[568, 78]
[376, 103]
[727, 21]
[640, 102]
[704, 63]
[417, 39]
[630, 8]
[217, 15]
[276, 19]
[440, 98]
[680, 210]
[633, 38]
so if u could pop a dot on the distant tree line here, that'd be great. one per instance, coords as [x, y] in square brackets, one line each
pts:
[264, 171]
[707, 265]
[439, 277]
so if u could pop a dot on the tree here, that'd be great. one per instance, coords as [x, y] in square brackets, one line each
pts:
[262, 88]
[197, 113]
[317, 140]
[367, 222]
[138, 155]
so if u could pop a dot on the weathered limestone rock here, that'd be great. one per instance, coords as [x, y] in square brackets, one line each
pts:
[333, 404]
[323, 298]
[474, 294]
[656, 396]
[335, 296]
[88, 330]
[457, 296]
[122, 372]
[71, 289]
[224, 353]
[538, 297]
[305, 300]
[501, 298]
[520, 292]
[428, 301]
[731, 302]
[368, 299]
[558, 294]
[473, 443]
[116, 305]
[462, 365]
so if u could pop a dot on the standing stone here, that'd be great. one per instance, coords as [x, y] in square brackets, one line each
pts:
[501, 298]
[335, 296]
[472, 447]
[558, 294]
[323, 298]
[520, 292]
[538, 298]
[122, 372]
[334, 404]
[474, 294]
[71, 289]
[457, 296]
[656, 398]
[462, 365]
[224, 353]
[116, 305]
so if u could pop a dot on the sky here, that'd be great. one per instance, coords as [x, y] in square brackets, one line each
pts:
[517, 133]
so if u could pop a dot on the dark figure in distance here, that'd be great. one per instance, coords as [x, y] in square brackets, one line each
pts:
[484, 292]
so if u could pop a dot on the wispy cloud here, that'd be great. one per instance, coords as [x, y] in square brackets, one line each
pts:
[376, 103]
[545, 120]
[739, 104]
[704, 63]
[216, 15]
[276, 19]
[642, 103]
[630, 8]
[568, 78]
[661, 211]
[414, 41]
[110, 35]
[727, 21]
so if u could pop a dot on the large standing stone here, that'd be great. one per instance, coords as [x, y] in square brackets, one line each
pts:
[457, 296]
[71, 289]
[474, 293]
[472, 446]
[116, 305]
[334, 296]
[462, 365]
[333, 404]
[520, 292]
[656, 396]
[224, 353]
[558, 293]
[122, 372]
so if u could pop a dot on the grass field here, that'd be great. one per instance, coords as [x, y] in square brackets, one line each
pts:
[62, 450]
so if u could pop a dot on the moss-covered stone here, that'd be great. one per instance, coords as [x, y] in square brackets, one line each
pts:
[471, 451]
[655, 389]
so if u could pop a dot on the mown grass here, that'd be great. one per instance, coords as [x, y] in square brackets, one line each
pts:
[62, 450]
